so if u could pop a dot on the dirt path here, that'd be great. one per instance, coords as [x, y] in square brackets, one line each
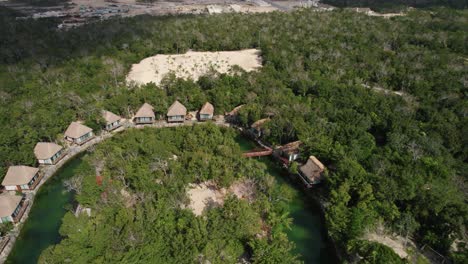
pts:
[397, 244]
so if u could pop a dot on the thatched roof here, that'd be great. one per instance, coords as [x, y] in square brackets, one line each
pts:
[207, 109]
[45, 150]
[110, 117]
[76, 130]
[177, 109]
[8, 203]
[259, 123]
[292, 147]
[146, 110]
[312, 169]
[235, 111]
[19, 175]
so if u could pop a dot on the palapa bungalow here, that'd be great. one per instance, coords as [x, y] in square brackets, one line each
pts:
[206, 112]
[20, 178]
[233, 116]
[112, 120]
[144, 115]
[176, 112]
[78, 133]
[48, 153]
[257, 129]
[12, 207]
[290, 151]
[312, 172]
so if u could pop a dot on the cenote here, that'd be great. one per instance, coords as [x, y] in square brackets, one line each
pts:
[41, 230]
[308, 229]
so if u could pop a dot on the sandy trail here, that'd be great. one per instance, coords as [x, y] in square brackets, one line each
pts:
[192, 65]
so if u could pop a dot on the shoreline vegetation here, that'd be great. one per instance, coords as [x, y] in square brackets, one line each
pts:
[238, 188]
[393, 161]
[164, 180]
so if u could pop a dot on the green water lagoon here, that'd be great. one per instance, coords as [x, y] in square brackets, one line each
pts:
[42, 226]
[308, 228]
[41, 230]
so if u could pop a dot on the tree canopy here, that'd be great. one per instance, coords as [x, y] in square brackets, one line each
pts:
[328, 79]
[139, 212]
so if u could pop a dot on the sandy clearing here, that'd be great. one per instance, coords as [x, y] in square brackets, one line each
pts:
[398, 244]
[204, 195]
[208, 194]
[192, 64]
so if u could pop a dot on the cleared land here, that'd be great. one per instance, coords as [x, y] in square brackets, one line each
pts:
[192, 65]
[208, 194]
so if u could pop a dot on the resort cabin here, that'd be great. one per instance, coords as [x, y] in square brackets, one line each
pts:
[12, 207]
[112, 120]
[21, 178]
[176, 112]
[78, 133]
[312, 172]
[257, 129]
[48, 153]
[232, 117]
[290, 151]
[144, 115]
[206, 112]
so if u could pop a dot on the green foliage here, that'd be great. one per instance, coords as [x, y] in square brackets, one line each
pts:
[277, 251]
[374, 253]
[392, 5]
[5, 228]
[388, 155]
[138, 212]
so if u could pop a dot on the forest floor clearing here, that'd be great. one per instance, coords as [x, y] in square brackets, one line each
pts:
[192, 65]
[403, 247]
[397, 244]
[386, 91]
[208, 194]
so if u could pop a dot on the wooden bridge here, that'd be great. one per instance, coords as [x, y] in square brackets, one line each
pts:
[258, 153]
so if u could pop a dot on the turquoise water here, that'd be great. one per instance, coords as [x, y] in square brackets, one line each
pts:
[308, 228]
[42, 227]
[52, 202]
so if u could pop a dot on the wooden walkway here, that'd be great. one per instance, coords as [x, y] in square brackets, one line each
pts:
[258, 153]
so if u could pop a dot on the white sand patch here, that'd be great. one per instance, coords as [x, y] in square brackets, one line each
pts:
[244, 189]
[208, 194]
[203, 195]
[192, 64]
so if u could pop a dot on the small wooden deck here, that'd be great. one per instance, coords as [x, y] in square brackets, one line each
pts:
[21, 212]
[36, 182]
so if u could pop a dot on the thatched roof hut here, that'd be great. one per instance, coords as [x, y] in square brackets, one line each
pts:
[146, 110]
[8, 205]
[177, 109]
[312, 170]
[46, 150]
[19, 175]
[76, 130]
[207, 109]
[110, 117]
